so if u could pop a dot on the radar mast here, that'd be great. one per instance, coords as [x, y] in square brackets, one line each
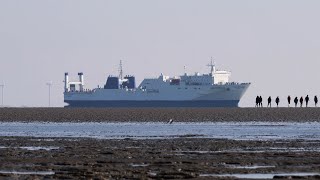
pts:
[212, 66]
[120, 70]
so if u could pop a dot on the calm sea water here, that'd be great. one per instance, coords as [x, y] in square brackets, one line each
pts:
[244, 131]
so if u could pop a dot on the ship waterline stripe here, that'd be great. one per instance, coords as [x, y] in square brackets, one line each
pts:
[124, 103]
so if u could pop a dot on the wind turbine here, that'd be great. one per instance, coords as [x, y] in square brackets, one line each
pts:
[2, 94]
[49, 84]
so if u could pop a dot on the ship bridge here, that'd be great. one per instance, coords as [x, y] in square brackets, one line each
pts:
[218, 77]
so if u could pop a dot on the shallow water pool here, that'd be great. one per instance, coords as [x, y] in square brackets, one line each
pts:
[237, 131]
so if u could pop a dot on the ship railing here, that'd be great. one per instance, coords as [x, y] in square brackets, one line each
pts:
[85, 91]
[233, 83]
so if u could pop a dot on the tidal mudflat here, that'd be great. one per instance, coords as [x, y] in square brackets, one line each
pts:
[159, 114]
[208, 144]
[177, 158]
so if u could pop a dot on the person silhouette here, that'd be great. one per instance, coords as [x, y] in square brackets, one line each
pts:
[301, 101]
[289, 101]
[315, 101]
[295, 101]
[277, 101]
[307, 100]
[269, 101]
[257, 101]
[261, 101]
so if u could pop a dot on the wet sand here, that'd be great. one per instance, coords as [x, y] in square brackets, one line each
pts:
[180, 158]
[160, 114]
[173, 158]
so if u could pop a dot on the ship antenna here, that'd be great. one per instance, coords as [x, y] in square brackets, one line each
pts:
[120, 70]
[212, 66]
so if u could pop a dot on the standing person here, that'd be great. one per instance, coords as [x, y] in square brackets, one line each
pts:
[315, 101]
[301, 101]
[307, 100]
[289, 101]
[277, 101]
[269, 101]
[257, 101]
[261, 101]
[295, 101]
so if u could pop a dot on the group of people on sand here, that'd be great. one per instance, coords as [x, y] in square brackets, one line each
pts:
[295, 101]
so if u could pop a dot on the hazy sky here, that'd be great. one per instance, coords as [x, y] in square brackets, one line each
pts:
[275, 44]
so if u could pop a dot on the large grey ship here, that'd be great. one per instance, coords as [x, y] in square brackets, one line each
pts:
[196, 90]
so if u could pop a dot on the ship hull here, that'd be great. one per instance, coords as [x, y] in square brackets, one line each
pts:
[115, 104]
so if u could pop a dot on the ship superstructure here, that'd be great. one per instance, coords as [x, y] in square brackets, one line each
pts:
[196, 90]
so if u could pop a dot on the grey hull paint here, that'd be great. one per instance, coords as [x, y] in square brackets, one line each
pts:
[202, 103]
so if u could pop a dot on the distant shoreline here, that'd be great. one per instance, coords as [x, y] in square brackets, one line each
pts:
[159, 114]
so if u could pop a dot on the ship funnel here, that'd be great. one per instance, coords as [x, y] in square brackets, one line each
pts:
[81, 80]
[66, 82]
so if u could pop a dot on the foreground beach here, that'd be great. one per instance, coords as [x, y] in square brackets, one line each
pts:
[160, 114]
[181, 158]
[246, 143]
